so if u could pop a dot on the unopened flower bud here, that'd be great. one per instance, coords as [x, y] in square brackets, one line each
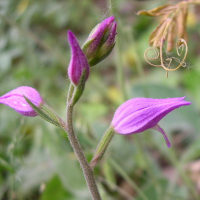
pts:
[78, 60]
[100, 41]
[15, 100]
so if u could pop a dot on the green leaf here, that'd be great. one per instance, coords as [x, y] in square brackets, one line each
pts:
[6, 165]
[38, 168]
[192, 152]
[109, 174]
[66, 164]
[54, 190]
[177, 193]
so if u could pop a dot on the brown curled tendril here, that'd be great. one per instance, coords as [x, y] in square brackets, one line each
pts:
[158, 54]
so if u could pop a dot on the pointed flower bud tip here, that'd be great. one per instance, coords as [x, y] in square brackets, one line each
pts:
[100, 41]
[15, 100]
[139, 114]
[98, 30]
[78, 60]
[107, 23]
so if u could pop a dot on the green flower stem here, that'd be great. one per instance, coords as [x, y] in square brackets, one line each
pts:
[116, 188]
[87, 171]
[102, 146]
[147, 163]
[70, 92]
[120, 73]
[139, 66]
[128, 179]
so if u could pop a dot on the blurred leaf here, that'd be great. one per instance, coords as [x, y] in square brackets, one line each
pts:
[113, 95]
[93, 111]
[185, 118]
[118, 143]
[66, 164]
[38, 169]
[3, 187]
[6, 165]
[22, 6]
[5, 61]
[109, 174]
[150, 190]
[3, 42]
[191, 19]
[54, 190]
[192, 152]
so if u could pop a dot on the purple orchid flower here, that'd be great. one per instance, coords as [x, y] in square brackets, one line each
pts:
[78, 60]
[139, 114]
[100, 41]
[15, 100]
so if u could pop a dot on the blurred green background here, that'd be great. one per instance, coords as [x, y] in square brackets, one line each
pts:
[36, 160]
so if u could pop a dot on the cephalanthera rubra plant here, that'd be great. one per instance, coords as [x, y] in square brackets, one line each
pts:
[28, 102]
[133, 116]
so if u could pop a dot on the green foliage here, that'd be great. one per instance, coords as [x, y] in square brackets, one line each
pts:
[55, 190]
[36, 160]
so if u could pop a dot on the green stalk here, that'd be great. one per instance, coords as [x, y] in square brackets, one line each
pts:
[87, 171]
[139, 67]
[102, 146]
[173, 159]
[128, 179]
[70, 92]
[120, 72]
[117, 188]
[145, 159]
